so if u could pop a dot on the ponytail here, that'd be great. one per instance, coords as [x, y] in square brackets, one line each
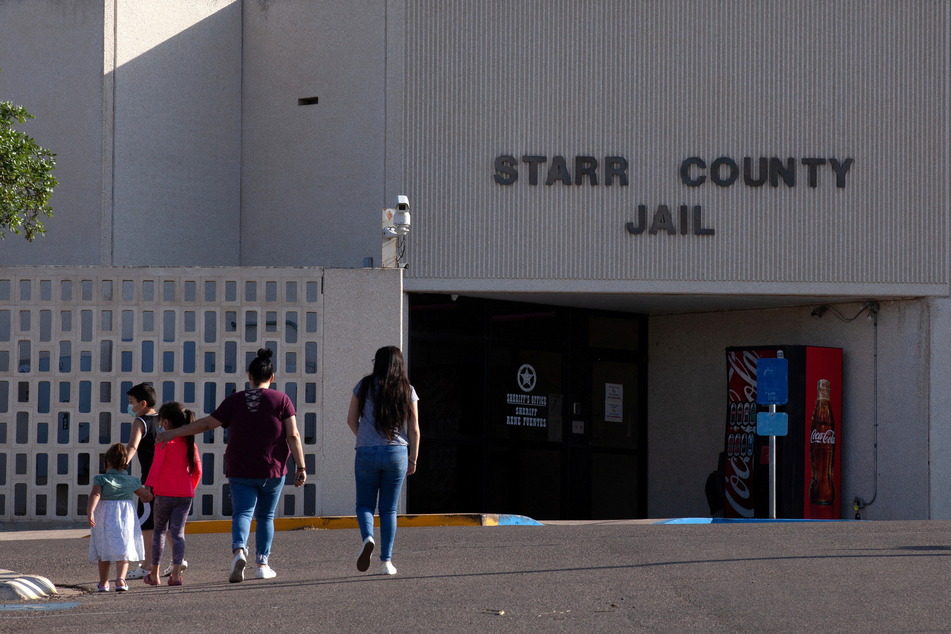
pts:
[176, 416]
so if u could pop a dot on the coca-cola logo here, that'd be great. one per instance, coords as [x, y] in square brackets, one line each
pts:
[826, 437]
[741, 375]
[738, 494]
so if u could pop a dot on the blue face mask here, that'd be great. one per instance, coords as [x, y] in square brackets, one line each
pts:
[131, 410]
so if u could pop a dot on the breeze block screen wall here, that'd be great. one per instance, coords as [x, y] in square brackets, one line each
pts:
[74, 340]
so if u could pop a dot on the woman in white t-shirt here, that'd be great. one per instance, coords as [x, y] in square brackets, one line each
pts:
[384, 419]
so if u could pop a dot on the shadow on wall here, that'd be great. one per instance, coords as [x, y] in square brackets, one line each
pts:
[177, 137]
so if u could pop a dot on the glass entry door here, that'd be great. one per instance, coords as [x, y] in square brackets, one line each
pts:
[527, 409]
[615, 440]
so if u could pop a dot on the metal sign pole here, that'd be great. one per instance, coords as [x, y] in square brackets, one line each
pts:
[772, 471]
[772, 389]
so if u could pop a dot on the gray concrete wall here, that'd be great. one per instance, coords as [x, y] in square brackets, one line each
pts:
[657, 83]
[181, 140]
[51, 56]
[177, 133]
[141, 101]
[687, 387]
[363, 311]
[939, 407]
[313, 175]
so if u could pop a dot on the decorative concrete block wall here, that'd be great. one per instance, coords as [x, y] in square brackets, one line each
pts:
[73, 340]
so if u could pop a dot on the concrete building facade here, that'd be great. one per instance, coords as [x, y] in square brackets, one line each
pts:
[612, 191]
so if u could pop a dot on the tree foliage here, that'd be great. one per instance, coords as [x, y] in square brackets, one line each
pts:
[26, 177]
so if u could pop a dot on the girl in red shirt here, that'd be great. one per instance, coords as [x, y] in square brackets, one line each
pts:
[173, 478]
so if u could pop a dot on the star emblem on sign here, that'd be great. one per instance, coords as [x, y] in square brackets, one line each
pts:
[526, 378]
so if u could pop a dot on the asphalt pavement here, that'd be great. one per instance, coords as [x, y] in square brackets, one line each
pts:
[591, 577]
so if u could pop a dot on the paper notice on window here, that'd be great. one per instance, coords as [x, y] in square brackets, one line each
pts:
[613, 403]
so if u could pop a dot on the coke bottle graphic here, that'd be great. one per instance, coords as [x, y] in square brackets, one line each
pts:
[822, 448]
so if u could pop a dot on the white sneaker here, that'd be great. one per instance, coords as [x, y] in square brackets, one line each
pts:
[168, 569]
[387, 568]
[237, 566]
[138, 573]
[264, 572]
[363, 561]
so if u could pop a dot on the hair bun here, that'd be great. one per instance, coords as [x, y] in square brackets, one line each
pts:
[264, 353]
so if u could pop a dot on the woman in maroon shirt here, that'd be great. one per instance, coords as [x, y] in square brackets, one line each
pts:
[262, 433]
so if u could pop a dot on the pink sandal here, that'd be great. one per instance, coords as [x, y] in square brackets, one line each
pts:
[173, 582]
[150, 581]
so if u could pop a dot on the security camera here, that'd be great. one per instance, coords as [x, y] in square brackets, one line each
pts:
[402, 219]
[396, 222]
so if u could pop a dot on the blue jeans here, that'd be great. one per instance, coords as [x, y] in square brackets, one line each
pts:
[379, 471]
[258, 497]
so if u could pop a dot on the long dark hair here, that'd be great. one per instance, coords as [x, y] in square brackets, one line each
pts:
[175, 415]
[392, 394]
[261, 369]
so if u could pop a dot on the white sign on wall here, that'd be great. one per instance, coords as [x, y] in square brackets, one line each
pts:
[613, 403]
[525, 409]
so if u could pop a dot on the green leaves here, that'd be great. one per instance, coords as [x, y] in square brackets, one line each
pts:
[26, 177]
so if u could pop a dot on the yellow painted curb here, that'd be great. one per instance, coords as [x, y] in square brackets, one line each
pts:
[199, 527]
[349, 521]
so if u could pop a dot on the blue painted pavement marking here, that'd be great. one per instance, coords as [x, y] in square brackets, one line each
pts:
[517, 520]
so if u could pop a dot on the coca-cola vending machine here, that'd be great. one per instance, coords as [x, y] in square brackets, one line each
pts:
[808, 458]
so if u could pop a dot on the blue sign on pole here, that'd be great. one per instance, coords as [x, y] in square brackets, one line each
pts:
[772, 424]
[772, 381]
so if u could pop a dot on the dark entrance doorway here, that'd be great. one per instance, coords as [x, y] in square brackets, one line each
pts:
[529, 409]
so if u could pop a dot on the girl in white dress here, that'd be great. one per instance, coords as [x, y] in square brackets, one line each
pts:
[116, 536]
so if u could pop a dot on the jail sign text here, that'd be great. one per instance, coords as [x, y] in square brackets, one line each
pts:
[694, 172]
